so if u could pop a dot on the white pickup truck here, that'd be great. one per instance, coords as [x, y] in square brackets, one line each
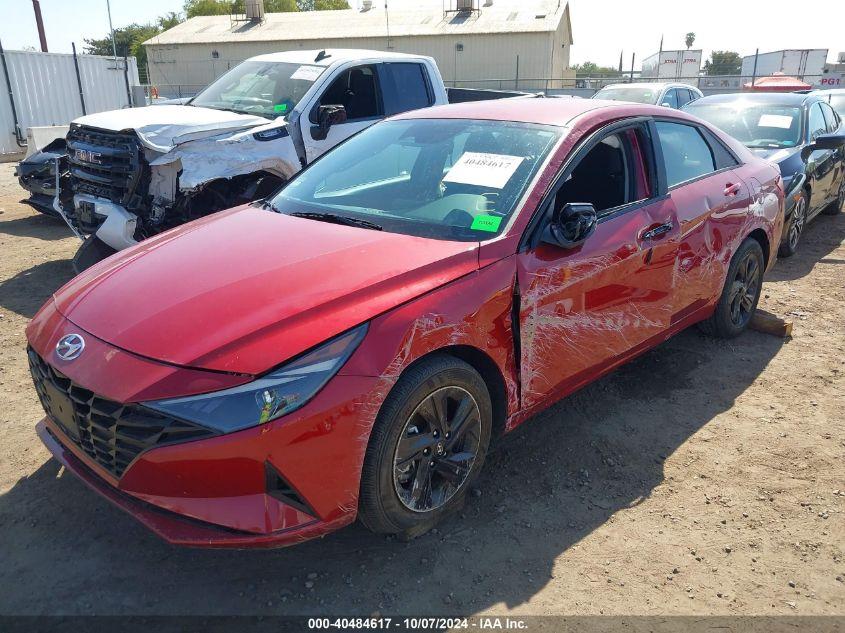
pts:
[125, 175]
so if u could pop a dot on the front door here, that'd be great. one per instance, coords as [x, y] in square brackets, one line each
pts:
[357, 90]
[585, 309]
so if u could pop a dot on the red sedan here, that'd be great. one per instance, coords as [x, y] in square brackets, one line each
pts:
[349, 347]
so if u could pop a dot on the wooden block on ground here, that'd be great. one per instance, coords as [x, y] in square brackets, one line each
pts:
[770, 324]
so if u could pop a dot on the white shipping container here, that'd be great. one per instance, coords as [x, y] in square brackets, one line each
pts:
[794, 62]
[46, 91]
[680, 64]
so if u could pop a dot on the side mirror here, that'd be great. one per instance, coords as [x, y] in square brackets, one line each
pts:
[571, 224]
[666, 105]
[327, 116]
[825, 141]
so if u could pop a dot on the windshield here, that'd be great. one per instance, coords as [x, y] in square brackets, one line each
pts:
[268, 89]
[754, 124]
[446, 179]
[632, 93]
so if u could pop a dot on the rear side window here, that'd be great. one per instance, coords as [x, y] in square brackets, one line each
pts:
[722, 156]
[686, 154]
[406, 87]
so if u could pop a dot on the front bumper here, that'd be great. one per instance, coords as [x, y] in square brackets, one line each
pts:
[220, 491]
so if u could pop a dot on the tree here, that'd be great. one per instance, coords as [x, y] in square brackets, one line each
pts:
[590, 69]
[690, 40]
[330, 5]
[193, 8]
[723, 63]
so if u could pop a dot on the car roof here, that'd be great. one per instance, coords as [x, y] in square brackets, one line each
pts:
[828, 91]
[540, 110]
[330, 56]
[778, 98]
[650, 84]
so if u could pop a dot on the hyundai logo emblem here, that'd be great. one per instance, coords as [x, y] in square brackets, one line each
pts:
[70, 346]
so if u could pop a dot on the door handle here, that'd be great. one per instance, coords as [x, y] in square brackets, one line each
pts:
[731, 189]
[656, 232]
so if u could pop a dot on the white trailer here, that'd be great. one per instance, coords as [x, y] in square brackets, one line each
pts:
[680, 64]
[807, 62]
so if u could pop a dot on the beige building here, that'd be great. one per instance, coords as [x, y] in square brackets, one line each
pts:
[503, 44]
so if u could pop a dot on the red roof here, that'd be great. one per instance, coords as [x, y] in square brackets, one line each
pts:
[777, 82]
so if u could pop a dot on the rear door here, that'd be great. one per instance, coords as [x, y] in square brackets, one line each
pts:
[586, 309]
[711, 202]
[821, 163]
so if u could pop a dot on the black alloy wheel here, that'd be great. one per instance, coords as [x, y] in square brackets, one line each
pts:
[797, 222]
[839, 204]
[437, 448]
[426, 448]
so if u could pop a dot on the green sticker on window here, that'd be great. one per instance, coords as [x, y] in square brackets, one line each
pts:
[282, 107]
[488, 223]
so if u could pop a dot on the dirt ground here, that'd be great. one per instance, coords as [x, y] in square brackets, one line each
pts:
[704, 478]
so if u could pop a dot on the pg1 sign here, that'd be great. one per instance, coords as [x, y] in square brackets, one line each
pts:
[831, 80]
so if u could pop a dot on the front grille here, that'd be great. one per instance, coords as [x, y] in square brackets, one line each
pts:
[111, 433]
[108, 165]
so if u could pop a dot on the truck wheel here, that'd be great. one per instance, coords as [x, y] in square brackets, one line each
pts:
[741, 293]
[93, 250]
[427, 447]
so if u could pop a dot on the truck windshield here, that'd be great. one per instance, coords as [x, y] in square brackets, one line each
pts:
[756, 125]
[268, 89]
[451, 179]
[628, 93]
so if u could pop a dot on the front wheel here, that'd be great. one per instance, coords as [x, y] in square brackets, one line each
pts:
[92, 250]
[739, 297]
[427, 447]
[795, 228]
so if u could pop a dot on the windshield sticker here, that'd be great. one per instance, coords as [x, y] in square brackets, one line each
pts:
[307, 73]
[775, 120]
[489, 223]
[280, 107]
[483, 170]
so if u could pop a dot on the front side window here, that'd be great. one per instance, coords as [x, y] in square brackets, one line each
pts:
[830, 117]
[611, 175]
[446, 179]
[756, 125]
[356, 89]
[686, 155]
[670, 98]
[268, 89]
[837, 102]
[817, 124]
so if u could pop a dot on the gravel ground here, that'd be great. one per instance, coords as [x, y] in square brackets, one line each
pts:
[706, 477]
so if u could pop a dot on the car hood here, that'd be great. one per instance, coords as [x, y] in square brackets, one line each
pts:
[247, 289]
[162, 127]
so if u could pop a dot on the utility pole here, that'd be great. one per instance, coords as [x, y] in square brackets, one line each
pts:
[36, 6]
[111, 28]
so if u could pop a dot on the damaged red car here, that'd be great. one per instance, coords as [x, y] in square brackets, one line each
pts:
[349, 347]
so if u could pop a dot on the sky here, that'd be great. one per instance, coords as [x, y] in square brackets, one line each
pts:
[601, 28]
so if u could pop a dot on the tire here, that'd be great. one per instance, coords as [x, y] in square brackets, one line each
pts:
[93, 250]
[795, 226]
[839, 204]
[391, 501]
[741, 293]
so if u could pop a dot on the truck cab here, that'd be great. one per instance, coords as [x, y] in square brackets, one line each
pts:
[129, 174]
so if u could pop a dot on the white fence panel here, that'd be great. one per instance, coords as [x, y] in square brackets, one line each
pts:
[46, 91]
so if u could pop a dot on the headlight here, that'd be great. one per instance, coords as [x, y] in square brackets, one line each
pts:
[271, 396]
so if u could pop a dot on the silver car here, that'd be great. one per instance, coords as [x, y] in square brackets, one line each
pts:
[670, 95]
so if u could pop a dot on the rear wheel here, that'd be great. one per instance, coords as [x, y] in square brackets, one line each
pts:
[427, 447]
[839, 204]
[739, 297]
[797, 222]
